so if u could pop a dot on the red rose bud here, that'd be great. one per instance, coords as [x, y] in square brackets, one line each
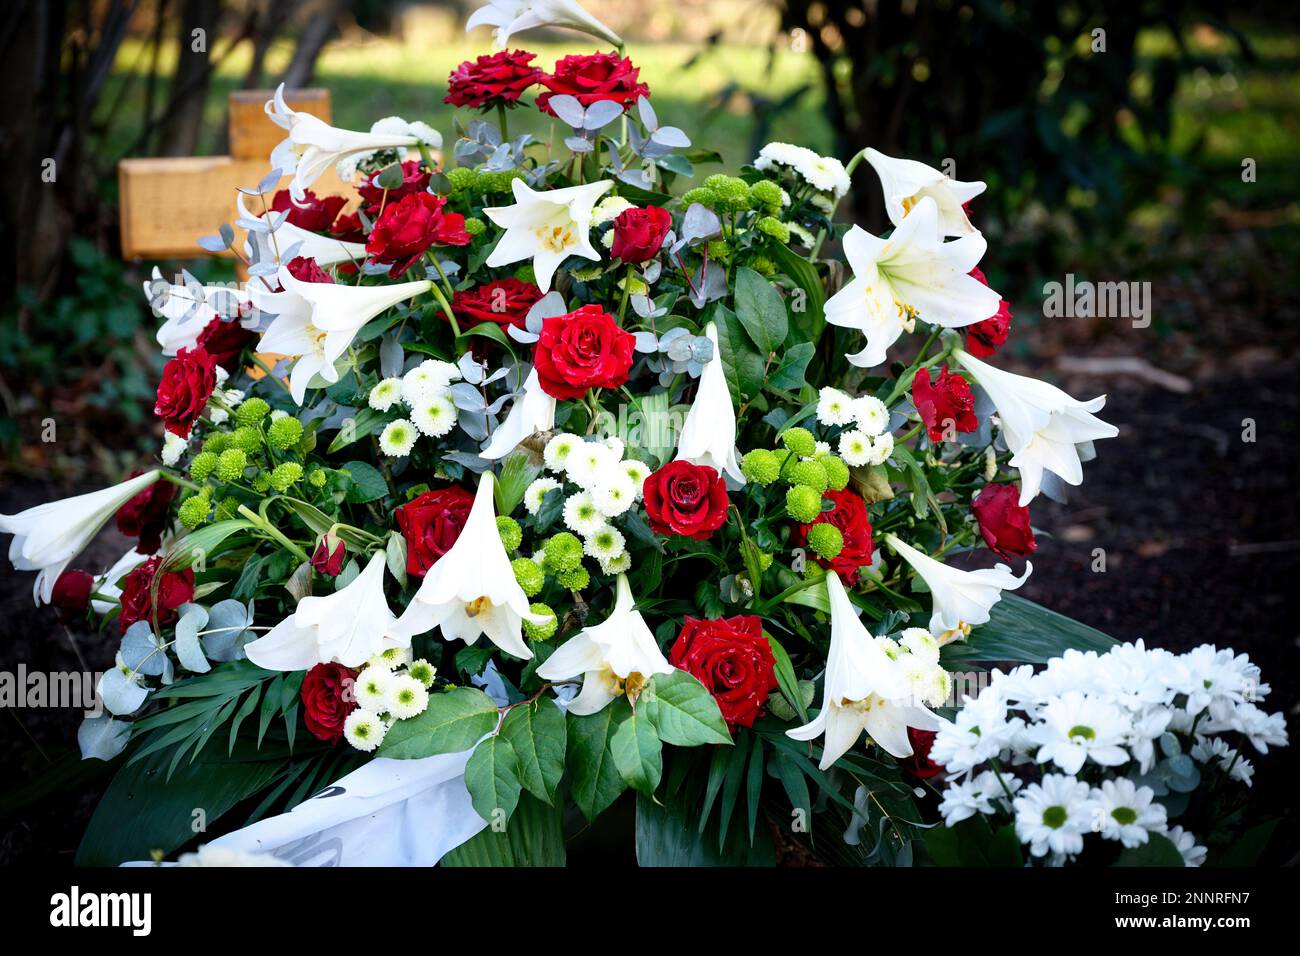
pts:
[488, 81]
[414, 180]
[328, 557]
[187, 384]
[305, 269]
[731, 658]
[919, 764]
[327, 700]
[175, 588]
[1003, 522]
[412, 225]
[987, 336]
[72, 591]
[145, 515]
[504, 301]
[584, 349]
[431, 524]
[639, 233]
[850, 516]
[225, 341]
[946, 405]
[593, 78]
[686, 499]
[314, 213]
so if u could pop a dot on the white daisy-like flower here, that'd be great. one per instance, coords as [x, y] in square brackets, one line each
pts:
[614, 493]
[616, 565]
[430, 377]
[834, 407]
[587, 462]
[581, 514]
[921, 643]
[821, 449]
[173, 447]
[537, 492]
[780, 154]
[855, 448]
[370, 689]
[1127, 812]
[557, 450]
[615, 446]
[963, 799]
[1229, 759]
[406, 697]
[825, 173]
[364, 729]
[422, 671]
[871, 414]
[1073, 729]
[608, 209]
[637, 472]
[435, 416]
[1054, 815]
[398, 438]
[1193, 855]
[605, 544]
[390, 657]
[882, 446]
[385, 395]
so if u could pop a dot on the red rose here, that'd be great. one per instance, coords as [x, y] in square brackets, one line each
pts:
[919, 764]
[944, 403]
[408, 227]
[987, 336]
[306, 269]
[733, 659]
[431, 524]
[584, 349]
[348, 229]
[491, 80]
[225, 341]
[639, 233]
[1003, 522]
[415, 180]
[850, 516]
[327, 700]
[145, 515]
[187, 384]
[686, 499]
[328, 557]
[592, 78]
[175, 588]
[72, 591]
[314, 213]
[503, 301]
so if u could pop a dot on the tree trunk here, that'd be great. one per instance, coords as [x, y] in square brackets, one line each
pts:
[189, 86]
[318, 31]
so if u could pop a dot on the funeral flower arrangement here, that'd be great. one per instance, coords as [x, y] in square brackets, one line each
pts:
[583, 470]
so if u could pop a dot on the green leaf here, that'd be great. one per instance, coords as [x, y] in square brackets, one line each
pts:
[761, 310]
[972, 842]
[1020, 630]
[796, 787]
[742, 365]
[786, 679]
[203, 542]
[537, 733]
[368, 482]
[452, 722]
[790, 375]
[366, 423]
[637, 753]
[492, 776]
[596, 780]
[811, 319]
[683, 711]
[487, 330]
[1157, 851]
[534, 836]
[517, 473]
[666, 836]
[1247, 848]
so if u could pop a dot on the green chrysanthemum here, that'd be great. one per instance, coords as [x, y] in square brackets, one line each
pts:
[563, 552]
[809, 473]
[511, 534]
[826, 540]
[202, 464]
[529, 575]
[194, 510]
[247, 439]
[231, 464]
[284, 433]
[771, 226]
[802, 503]
[286, 475]
[760, 466]
[574, 580]
[252, 411]
[799, 440]
[837, 473]
[541, 632]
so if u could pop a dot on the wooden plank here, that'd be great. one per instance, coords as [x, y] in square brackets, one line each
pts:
[252, 134]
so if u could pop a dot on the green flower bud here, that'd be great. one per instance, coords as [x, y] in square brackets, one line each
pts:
[461, 178]
[202, 464]
[563, 552]
[475, 227]
[802, 503]
[511, 534]
[262, 482]
[574, 580]
[766, 195]
[760, 466]
[837, 473]
[809, 473]
[286, 475]
[799, 440]
[732, 193]
[771, 226]
[529, 575]
[705, 197]
[217, 442]
[247, 439]
[763, 265]
[826, 540]
[284, 433]
[719, 250]
[194, 510]
[541, 632]
[231, 464]
[252, 411]
[226, 509]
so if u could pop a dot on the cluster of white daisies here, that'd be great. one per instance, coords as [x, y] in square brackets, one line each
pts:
[824, 173]
[866, 439]
[388, 688]
[1109, 717]
[599, 484]
[426, 391]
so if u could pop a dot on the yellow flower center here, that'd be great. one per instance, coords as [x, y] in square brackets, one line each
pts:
[556, 238]
[477, 606]
[909, 203]
[958, 633]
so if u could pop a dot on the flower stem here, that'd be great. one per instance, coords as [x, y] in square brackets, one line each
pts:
[502, 122]
[627, 285]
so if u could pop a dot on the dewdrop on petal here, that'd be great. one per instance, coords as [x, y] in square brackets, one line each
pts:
[871, 414]
[364, 729]
[855, 448]
[434, 416]
[386, 394]
[537, 492]
[407, 697]
[398, 438]
[557, 450]
[834, 407]
[582, 515]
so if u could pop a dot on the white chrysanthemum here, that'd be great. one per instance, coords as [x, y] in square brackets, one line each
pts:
[406, 697]
[1193, 855]
[1074, 728]
[834, 407]
[425, 133]
[781, 154]
[537, 492]
[825, 173]
[434, 416]
[607, 210]
[398, 438]
[422, 671]
[370, 689]
[821, 449]
[556, 453]
[617, 565]
[173, 447]
[637, 472]
[385, 395]
[390, 657]
[614, 493]
[964, 799]
[921, 643]
[364, 729]
[615, 446]
[855, 448]
[1128, 813]
[1054, 815]
[882, 446]
[605, 544]
[871, 414]
[430, 377]
[581, 515]
[585, 464]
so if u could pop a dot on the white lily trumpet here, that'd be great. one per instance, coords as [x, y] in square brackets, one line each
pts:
[962, 599]
[709, 434]
[508, 17]
[532, 412]
[326, 250]
[905, 182]
[546, 227]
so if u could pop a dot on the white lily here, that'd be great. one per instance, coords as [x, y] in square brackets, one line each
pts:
[317, 321]
[184, 316]
[47, 537]
[1042, 424]
[962, 599]
[547, 227]
[326, 250]
[609, 656]
[509, 17]
[532, 412]
[906, 182]
[471, 590]
[313, 145]
[709, 434]
[864, 690]
[912, 274]
[348, 627]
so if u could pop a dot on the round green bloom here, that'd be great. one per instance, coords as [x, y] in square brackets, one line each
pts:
[799, 440]
[461, 178]
[529, 575]
[541, 632]
[763, 265]
[765, 194]
[194, 510]
[719, 250]
[574, 580]
[261, 482]
[826, 540]
[705, 197]
[837, 473]
[563, 552]
[252, 411]
[802, 503]
[475, 227]
[760, 466]
[231, 464]
[422, 671]
[217, 442]
[317, 477]
[227, 508]
[732, 192]
[809, 473]
[771, 226]
[285, 475]
[511, 534]
[284, 433]
[202, 464]
[813, 570]
[247, 439]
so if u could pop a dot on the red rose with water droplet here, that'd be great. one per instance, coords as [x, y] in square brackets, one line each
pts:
[987, 336]
[686, 499]
[946, 404]
[584, 349]
[1004, 523]
[733, 660]
[850, 516]
[431, 523]
[488, 81]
